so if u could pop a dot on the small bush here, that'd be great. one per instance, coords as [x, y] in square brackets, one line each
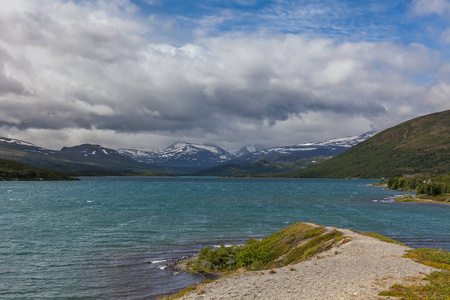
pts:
[219, 259]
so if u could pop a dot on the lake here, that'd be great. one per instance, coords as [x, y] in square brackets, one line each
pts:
[112, 237]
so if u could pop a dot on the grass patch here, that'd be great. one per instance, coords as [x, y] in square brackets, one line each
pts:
[383, 238]
[437, 289]
[180, 294]
[313, 233]
[438, 286]
[199, 288]
[445, 198]
[421, 198]
[316, 245]
[291, 245]
[436, 258]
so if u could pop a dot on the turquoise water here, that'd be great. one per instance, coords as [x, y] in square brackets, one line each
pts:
[111, 238]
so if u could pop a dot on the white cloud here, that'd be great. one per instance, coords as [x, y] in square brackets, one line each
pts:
[74, 73]
[430, 7]
[446, 35]
[438, 95]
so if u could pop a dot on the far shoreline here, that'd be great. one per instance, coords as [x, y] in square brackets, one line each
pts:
[408, 198]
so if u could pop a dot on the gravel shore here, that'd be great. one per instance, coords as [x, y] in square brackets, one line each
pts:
[359, 269]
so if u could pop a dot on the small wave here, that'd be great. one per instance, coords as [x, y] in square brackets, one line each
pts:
[158, 261]
[227, 245]
[387, 199]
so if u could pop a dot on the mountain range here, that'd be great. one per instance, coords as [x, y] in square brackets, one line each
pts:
[418, 146]
[191, 157]
[184, 157]
[329, 147]
[179, 158]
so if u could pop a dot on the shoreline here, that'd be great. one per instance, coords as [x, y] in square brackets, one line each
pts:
[179, 265]
[408, 198]
[358, 269]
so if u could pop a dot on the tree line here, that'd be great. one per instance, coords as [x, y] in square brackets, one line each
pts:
[12, 171]
[431, 185]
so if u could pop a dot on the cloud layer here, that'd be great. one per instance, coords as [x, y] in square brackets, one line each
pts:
[91, 72]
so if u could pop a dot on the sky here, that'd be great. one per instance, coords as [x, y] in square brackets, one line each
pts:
[148, 73]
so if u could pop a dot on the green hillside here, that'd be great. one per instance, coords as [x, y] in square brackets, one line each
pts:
[12, 170]
[418, 146]
[267, 165]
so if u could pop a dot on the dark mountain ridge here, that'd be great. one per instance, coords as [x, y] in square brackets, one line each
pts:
[77, 161]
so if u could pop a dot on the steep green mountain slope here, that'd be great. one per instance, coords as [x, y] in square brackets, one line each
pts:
[418, 146]
[12, 170]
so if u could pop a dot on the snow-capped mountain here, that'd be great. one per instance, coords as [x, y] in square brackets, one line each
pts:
[329, 147]
[190, 155]
[194, 157]
[248, 149]
[179, 158]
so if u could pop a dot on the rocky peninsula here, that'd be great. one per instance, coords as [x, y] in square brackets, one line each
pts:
[359, 266]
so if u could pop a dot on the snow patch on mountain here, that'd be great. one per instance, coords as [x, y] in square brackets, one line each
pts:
[183, 154]
[26, 146]
[329, 147]
[346, 142]
[17, 142]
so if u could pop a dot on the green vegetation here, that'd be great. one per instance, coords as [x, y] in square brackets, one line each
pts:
[267, 167]
[417, 146]
[180, 294]
[383, 238]
[436, 258]
[291, 245]
[148, 174]
[434, 187]
[438, 286]
[11, 170]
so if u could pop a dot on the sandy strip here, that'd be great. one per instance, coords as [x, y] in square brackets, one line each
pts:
[359, 269]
